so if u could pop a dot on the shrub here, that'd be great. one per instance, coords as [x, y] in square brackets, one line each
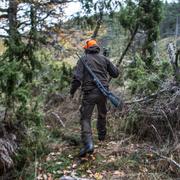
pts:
[143, 80]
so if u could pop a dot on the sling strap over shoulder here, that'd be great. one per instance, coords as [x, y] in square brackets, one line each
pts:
[113, 98]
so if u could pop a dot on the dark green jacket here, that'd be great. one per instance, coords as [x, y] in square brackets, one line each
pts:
[99, 64]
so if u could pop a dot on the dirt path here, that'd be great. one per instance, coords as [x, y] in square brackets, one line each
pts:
[122, 158]
[111, 160]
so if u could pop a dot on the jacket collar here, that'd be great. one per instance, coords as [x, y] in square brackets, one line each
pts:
[92, 50]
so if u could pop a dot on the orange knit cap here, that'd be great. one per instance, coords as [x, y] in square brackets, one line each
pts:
[90, 43]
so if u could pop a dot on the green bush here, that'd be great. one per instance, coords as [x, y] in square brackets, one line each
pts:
[54, 76]
[143, 80]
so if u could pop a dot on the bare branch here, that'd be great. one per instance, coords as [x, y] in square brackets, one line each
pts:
[3, 10]
[47, 15]
[3, 16]
[4, 36]
[147, 98]
[168, 159]
[128, 45]
[4, 28]
[98, 25]
[51, 2]
[59, 2]
[25, 23]
[58, 118]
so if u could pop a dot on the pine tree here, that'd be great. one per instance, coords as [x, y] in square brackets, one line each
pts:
[143, 15]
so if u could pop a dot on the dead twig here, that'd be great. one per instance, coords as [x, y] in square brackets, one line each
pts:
[147, 98]
[170, 127]
[167, 158]
[155, 129]
[58, 118]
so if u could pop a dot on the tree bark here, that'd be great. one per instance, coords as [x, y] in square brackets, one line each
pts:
[8, 147]
[12, 54]
[174, 58]
[98, 25]
[177, 68]
[12, 18]
[128, 45]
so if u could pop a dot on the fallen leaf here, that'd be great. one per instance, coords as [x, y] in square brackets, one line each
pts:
[98, 176]
[74, 166]
[149, 155]
[45, 177]
[58, 163]
[65, 172]
[40, 177]
[49, 176]
[119, 173]
[111, 159]
[70, 156]
[93, 157]
[89, 171]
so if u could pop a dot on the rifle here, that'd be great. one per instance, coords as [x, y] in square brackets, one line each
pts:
[113, 98]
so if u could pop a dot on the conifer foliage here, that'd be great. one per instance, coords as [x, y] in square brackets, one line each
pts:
[143, 16]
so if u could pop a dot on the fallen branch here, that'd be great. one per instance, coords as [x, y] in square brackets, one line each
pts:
[58, 118]
[147, 98]
[125, 140]
[155, 129]
[167, 158]
[170, 127]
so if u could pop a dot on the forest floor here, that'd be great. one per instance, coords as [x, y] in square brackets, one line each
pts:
[124, 157]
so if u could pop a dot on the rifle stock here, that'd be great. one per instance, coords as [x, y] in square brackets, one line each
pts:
[114, 100]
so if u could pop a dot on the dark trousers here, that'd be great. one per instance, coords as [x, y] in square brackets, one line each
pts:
[90, 99]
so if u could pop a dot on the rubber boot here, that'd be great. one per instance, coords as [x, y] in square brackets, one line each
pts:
[102, 135]
[87, 149]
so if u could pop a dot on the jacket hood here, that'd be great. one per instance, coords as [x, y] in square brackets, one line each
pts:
[92, 50]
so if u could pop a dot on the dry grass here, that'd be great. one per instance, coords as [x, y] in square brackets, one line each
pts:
[2, 47]
[120, 157]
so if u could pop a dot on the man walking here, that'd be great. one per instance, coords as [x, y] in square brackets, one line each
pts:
[102, 68]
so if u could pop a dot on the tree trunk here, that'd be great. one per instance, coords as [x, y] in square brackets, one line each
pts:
[8, 147]
[12, 54]
[177, 68]
[174, 58]
[98, 25]
[12, 18]
[128, 45]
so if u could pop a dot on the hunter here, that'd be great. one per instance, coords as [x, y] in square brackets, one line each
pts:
[103, 68]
